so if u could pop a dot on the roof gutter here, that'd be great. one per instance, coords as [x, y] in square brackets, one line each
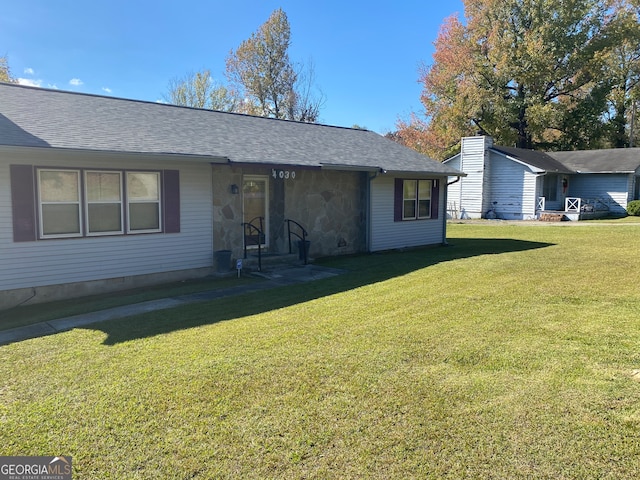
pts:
[350, 168]
[82, 152]
[607, 172]
[370, 179]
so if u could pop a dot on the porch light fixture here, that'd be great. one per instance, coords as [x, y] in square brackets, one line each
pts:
[234, 189]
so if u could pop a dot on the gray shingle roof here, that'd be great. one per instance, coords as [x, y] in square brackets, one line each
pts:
[612, 160]
[543, 161]
[33, 117]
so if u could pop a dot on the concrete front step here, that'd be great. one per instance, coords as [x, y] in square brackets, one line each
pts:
[270, 260]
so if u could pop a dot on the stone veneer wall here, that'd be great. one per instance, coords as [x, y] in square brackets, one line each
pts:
[330, 205]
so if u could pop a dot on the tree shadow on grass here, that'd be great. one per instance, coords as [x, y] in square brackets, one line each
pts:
[359, 270]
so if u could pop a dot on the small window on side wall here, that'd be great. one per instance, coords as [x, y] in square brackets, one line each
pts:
[416, 199]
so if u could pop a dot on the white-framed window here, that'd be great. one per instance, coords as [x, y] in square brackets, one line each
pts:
[59, 204]
[92, 202]
[416, 199]
[143, 202]
[103, 193]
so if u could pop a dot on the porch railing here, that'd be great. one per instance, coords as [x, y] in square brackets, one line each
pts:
[576, 205]
[594, 205]
[301, 234]
[572, 204]
[254, 235]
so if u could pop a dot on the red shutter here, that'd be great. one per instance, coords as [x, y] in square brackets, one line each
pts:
[171, 193]
[398, 197]
[23, 203]
[435, 198]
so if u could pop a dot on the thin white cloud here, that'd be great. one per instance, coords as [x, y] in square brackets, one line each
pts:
[30, 82]
[76, 82]
[33, 82]
[106, 89]
[29, 71]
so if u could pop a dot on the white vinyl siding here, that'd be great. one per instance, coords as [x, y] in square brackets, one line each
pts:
[453, 190]
[612, 189]
[386, 234]
[513, 189]
[68, 260]
[474, 197]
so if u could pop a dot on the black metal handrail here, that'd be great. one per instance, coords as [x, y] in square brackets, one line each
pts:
[302, 236]
[256, 238]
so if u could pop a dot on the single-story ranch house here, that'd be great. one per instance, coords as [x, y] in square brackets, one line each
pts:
[102, 193]
[514, 183]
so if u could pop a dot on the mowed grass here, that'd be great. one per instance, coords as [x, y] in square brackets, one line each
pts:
[510, 354]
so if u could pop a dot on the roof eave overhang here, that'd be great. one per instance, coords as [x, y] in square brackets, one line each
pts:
[78, 152]
[423, 173]
[351, 168]
[608, 172]
[533, 168]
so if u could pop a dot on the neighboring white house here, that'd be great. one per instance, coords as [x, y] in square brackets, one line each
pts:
[100, 193]
[518, 184]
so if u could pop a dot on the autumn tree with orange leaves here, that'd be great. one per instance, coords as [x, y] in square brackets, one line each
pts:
[530, 73]
[5, 71]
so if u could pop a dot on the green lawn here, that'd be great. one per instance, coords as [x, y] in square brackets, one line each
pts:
[510, 354]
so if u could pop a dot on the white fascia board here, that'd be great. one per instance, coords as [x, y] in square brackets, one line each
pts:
[513, 159]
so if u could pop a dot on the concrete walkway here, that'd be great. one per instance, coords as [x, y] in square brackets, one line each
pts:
[277, 277]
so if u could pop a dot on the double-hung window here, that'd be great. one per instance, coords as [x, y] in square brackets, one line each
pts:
[416, 199]
[103, 191]
[60, 203]
[143, 201]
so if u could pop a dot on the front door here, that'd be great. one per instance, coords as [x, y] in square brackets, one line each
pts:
[255, 202]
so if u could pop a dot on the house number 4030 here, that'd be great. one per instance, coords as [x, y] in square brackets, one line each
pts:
[284, 174]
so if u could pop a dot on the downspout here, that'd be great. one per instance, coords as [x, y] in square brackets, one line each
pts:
[368, 220]
[444, 219]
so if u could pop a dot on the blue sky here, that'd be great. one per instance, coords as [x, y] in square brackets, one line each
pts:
[366, 54]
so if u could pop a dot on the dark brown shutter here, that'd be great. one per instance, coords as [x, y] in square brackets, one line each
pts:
[171, 217]
[23, 203]
[435, 198]
[398, 197]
